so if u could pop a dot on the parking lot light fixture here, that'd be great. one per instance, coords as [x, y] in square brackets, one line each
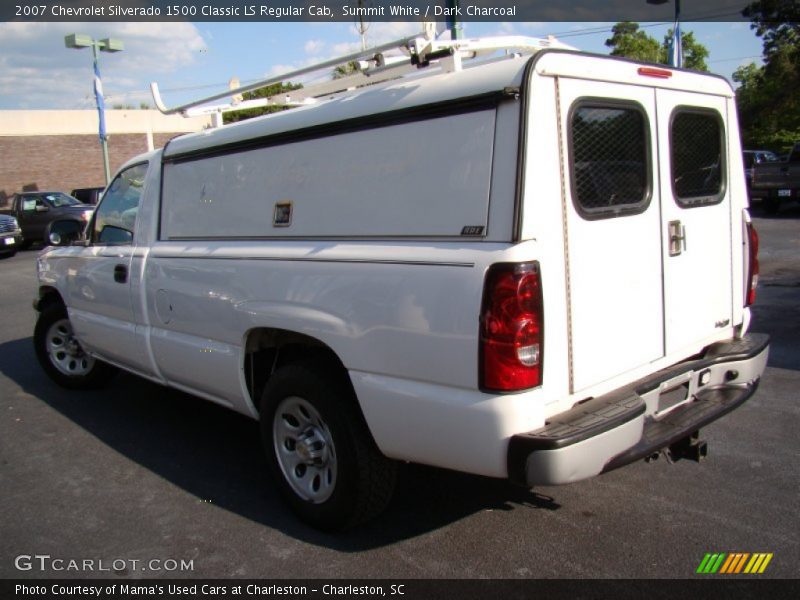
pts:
[77, 41]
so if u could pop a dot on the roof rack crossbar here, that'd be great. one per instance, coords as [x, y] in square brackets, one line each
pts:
[419, 49]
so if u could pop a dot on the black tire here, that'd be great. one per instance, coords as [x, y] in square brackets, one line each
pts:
[8, 254]
[356, 480]
[61, 356]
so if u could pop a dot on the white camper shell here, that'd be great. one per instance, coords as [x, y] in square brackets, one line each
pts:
[538, 268]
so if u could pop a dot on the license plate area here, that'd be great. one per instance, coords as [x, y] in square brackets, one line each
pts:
[9, 241]
[785, 193]
[673, 394]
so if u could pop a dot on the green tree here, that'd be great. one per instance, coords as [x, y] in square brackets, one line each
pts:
[694, 53]
[265, 92]
[769, 107]
[631, 42]
[345, 70]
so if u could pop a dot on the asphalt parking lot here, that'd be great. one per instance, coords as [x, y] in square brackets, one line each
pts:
[139, 472]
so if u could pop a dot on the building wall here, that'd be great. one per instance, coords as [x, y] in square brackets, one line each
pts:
[64, 162]
[60, 150]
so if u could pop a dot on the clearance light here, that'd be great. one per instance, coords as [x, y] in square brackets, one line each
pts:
[655, 72]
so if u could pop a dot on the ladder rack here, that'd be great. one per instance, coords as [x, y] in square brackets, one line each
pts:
[374, 66]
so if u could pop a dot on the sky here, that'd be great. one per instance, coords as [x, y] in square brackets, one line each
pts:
[192, 60]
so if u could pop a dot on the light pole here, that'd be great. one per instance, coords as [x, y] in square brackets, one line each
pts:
[78, 41]
[676, 52]
[453, 24]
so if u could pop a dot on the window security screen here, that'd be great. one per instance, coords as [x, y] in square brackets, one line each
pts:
[696, 158]
[609, 160]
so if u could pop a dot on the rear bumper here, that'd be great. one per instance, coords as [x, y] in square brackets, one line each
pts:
[10, 242]
[611, 431]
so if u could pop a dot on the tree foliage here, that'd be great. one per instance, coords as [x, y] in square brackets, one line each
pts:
[265, 92]
[768, 103]
[345, 69]
[630, 41]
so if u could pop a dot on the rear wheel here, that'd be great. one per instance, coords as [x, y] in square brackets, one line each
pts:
[61, 355]
[324, 461]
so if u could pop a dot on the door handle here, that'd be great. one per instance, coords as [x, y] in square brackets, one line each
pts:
[677, 238]
[121, 274]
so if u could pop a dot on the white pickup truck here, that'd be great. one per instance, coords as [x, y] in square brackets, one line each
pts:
[536, 268]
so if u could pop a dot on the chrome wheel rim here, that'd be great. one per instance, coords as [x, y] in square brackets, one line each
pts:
[304, 448]
[65, 352]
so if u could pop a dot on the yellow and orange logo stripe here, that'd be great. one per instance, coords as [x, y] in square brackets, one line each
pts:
[734, 563]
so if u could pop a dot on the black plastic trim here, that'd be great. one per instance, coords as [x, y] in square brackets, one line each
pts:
[522, 152]
[319, 260]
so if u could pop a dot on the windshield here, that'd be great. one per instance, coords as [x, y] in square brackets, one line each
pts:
[769, 157]
[59, 199]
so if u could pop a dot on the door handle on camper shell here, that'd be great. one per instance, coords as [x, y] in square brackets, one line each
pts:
[677, 238]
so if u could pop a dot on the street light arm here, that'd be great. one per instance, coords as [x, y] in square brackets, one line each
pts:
[158, 101]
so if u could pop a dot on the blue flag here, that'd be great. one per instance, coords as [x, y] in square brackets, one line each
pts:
[98, 96]
[676, 47]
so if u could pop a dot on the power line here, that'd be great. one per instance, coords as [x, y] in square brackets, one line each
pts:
[563, 34]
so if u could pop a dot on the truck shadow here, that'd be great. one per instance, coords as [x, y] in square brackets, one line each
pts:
[215, 455]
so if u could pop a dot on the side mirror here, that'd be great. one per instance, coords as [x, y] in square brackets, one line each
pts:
[112, 235]
[42, 208]
[64, 233]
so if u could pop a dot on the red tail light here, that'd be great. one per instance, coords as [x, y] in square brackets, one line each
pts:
[511, 328]
[752, 267]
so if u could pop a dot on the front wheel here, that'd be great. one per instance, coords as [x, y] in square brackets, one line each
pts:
[61, 355]
[322, 457]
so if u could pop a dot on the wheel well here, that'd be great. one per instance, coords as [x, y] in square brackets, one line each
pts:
[268, 349]
[47, 297]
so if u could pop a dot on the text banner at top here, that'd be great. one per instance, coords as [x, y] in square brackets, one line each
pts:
[369, 10]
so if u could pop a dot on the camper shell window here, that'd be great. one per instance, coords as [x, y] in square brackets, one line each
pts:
[424, 178]
[610, 158]
[697, 159]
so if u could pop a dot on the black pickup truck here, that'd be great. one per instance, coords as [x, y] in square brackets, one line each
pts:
[777, 182]
[34, 211]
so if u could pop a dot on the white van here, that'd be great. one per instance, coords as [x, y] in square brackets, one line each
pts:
[536, 267]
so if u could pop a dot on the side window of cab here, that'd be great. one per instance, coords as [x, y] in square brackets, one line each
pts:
[115, 217]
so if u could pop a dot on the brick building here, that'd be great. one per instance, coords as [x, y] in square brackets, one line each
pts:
[60, 150]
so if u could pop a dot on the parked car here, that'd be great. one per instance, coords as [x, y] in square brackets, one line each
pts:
[777, 182]
[538, 268]
[34, 211]
[755, 157]
[90, 195]
[10, 235]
